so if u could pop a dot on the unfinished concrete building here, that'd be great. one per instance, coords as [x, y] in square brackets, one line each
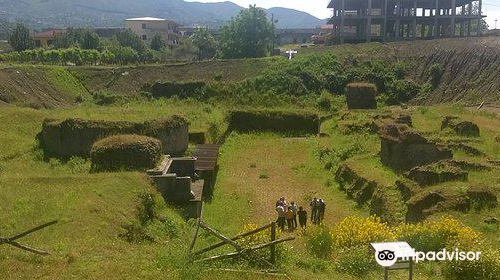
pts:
[358, 21]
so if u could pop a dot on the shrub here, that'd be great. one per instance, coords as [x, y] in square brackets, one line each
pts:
[402, 91]
[356, 261]
[486, 268]
[356, 231]
[276, 121]
[324, 101]
[105, 98]
[436, 235]
[185, 89]
[125, 152]
[436, 72]
[319, 241]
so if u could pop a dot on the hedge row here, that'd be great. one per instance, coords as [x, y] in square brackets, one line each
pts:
[303, 123]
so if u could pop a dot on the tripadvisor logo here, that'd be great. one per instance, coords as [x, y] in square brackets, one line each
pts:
[387, 255]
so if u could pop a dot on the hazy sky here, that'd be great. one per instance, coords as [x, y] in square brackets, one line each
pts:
[318, 7]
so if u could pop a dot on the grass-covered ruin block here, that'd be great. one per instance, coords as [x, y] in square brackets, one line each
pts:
[75, 137]
[361, 96]
[125, 152]
[290, 123]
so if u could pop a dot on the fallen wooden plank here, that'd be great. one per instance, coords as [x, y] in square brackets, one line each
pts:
[237, 237]
[247, 250]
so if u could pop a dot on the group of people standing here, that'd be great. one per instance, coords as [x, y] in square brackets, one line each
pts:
[288, 213]
[318, 207]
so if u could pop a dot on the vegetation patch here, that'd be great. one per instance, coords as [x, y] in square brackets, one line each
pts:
[184, 89]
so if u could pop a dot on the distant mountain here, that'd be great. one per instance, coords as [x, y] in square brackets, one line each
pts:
[290, 18]
[111, 13]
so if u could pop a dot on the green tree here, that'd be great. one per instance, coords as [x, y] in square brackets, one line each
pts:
[158, 43]
[249, 34]
[185, 50]
[205, 42]
[127, 38]
[20, 38]
[89, 40]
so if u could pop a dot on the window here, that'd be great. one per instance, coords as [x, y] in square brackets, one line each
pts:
[144, 26]
[144, 37]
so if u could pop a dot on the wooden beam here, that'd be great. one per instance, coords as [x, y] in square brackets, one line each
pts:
[27, 232]
[247, 250]
[237, 237]
[220, 236]
[273, 248]
[195, 235]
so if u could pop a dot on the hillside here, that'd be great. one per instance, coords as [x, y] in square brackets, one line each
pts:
[99, 13]
[471, 72]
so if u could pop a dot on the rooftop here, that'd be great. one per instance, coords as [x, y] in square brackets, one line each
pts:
[145, 19]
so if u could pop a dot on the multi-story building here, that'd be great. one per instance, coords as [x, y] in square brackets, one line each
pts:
[393, 20]
[147, 27]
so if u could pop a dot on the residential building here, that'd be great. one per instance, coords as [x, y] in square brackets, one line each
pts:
[295, 35]
[393, 20]
[46, 38]
[147, 27]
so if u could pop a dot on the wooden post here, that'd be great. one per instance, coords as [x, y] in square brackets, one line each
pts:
[273, 247]
[195, 235]
[411, 269]
[386, 273]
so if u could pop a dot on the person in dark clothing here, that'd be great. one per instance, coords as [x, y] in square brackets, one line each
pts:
[281, 217]
[294, 210]
[302, 217]
[289, 218]
[314, 209]
[321, 211]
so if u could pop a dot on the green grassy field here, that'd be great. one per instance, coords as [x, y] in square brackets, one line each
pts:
[94, 209]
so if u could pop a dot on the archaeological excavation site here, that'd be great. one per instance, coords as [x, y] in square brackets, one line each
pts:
[128, 161]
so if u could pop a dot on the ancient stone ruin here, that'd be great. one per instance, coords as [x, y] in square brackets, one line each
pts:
[435, 173]
[186, 181]
[403, 148]
[463, 128]
[361, 96]
[75, 137]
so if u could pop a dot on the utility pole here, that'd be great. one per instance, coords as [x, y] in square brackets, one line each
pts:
[496, 20]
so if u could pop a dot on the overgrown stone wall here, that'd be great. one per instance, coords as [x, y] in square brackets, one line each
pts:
[277, 121]
[182, 89]
[75, 137]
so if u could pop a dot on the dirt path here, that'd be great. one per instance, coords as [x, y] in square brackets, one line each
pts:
[257, 170]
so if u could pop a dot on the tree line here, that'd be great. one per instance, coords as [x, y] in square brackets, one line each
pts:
[249, 34]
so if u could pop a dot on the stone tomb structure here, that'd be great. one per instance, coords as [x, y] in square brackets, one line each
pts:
[187, 181]
[402, 148]
[75, 137]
